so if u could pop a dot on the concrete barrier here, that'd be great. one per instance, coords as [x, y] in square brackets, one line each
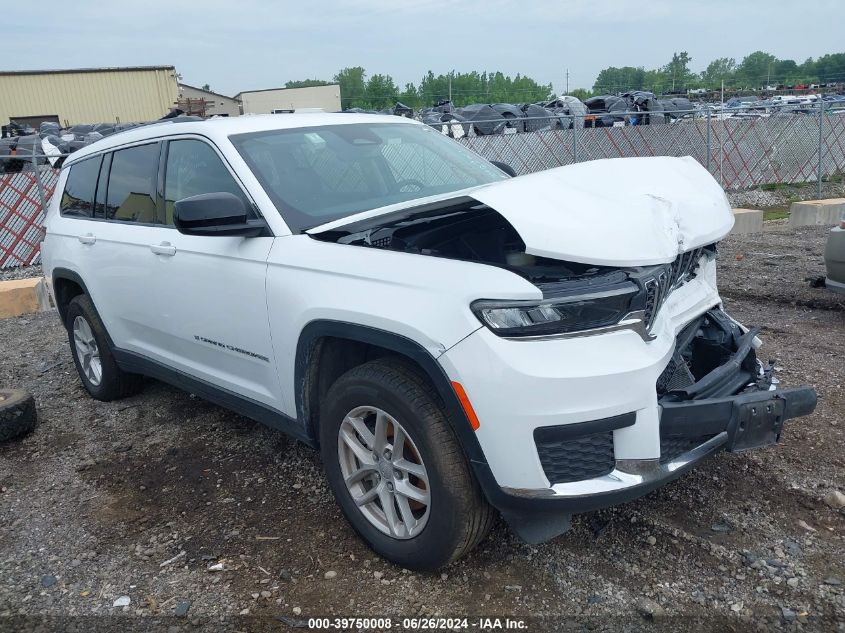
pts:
[747, 221]
[23, 296]
[816, 212]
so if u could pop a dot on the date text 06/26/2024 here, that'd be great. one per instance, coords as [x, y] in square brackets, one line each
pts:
[420, 624]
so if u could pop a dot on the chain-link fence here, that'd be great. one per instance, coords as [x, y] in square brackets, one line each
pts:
[742, 148]
[26, 186]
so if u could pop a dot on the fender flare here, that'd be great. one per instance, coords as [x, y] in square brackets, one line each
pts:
[405, 347]
[70, 275]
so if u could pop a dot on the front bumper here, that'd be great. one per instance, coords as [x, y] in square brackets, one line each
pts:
[735, 423]
[573, 425]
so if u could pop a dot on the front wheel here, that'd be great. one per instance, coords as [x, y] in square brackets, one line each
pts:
[396, 468]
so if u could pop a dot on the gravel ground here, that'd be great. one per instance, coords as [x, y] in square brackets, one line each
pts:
[134, 500]
[784, 195]
[20, 272]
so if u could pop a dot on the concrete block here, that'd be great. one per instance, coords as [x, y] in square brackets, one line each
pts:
[23, 296]
[816, 212]
[747, 221]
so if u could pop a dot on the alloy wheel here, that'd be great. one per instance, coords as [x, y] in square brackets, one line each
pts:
[87, 351]
[384, 472]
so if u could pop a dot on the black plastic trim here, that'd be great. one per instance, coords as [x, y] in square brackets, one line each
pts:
[70, 275]
[693, 418]
[566, 432]
[137, 364]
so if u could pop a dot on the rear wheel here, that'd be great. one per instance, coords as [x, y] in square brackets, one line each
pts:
[396, 468]
[92, 354]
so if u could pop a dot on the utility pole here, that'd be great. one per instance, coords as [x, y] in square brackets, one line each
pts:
[567, 81]
[450, 86]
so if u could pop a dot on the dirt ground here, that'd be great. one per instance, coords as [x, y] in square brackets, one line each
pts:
[138, 498]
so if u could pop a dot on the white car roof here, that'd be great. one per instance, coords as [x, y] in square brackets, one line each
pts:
[219, 128]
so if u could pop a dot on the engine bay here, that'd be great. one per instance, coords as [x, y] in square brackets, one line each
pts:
[473, 232]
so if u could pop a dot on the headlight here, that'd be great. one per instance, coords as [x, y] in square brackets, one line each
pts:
[557, 315]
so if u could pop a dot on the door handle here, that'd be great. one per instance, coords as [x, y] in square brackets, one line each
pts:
[165, 248]
[88, 238]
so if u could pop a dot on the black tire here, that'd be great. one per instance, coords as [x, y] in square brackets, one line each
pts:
[114, 382]
[17, 413]
[460, 517]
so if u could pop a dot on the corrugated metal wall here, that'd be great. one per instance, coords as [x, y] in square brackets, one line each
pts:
[265, 101]
[100, 96]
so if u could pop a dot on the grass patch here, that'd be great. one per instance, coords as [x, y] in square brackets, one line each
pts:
[773, 186]
[776, 213]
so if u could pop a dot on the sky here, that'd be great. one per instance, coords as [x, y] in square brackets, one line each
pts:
[237, 45]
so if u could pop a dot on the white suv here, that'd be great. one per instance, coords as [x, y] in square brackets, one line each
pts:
[455, 341]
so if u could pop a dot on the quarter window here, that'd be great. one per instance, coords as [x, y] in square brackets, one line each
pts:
[131, 193]
[80, 188]
[193, 168]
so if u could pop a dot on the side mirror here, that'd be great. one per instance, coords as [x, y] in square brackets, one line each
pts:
[504, 167]
[219, 213]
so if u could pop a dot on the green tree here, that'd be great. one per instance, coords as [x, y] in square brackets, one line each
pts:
[353, 88]
[678, 76]
[306, 83]
[753, 72]
[612, 80]
[719, 70]
[827, 68]
[480, 87]
[755, 69]
[206, 87]
[381, 92]
[410, 96]
[581, 93]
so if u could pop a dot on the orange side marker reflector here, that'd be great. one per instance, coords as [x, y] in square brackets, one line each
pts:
[466, 404]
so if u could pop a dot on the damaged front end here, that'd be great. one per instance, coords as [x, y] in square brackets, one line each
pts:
[714, 357]
[714, 392]
[714, 385]
[578, 299]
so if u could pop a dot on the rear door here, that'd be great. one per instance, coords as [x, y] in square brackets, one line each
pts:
[210, 290]
[126, 227]
[107, 220]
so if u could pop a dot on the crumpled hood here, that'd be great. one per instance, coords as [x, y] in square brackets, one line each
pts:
[621, 211]
[613, 212]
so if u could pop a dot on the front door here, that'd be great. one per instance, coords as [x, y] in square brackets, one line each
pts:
[210, 290]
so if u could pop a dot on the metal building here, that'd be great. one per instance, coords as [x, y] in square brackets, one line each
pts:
[271, 100]
[206, 102]
[87, 95]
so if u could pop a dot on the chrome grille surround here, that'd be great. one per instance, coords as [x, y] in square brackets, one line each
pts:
[660, 283]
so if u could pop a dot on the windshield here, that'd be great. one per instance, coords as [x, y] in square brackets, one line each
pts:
[318, 174]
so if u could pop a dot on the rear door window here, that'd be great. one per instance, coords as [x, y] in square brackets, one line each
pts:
[80, 188]
[131, 194]
[193, 167]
